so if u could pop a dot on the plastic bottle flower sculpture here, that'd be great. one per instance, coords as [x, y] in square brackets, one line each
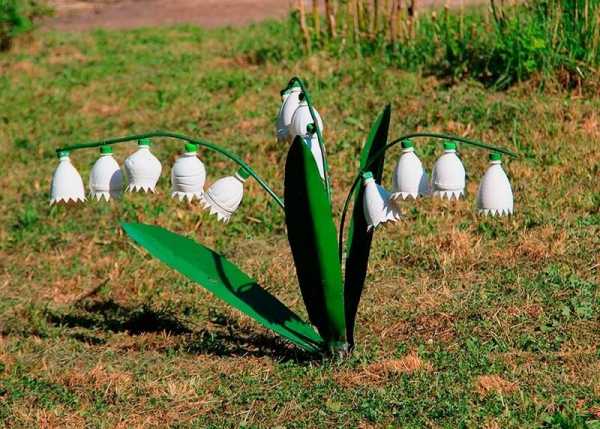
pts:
[67, 185]
[290, 102]
[377, 205]
[495, 196]
[188, 175]
[449, 174]
[106, 178]
[225, 195]
[410, 178]
[142, 168]
[331, 276]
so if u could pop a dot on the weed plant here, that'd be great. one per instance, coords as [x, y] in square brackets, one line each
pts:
[498, 45]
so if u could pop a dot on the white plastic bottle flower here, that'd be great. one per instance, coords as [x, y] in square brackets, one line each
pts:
[142, 168]
[106, 178]
[225, 195]
[377, 206]
[449, 174]
[67, 185]
[188, 175]
[495, 196]
[410, 178]
[290, 102]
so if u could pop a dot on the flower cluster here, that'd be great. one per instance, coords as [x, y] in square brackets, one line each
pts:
[142, 171]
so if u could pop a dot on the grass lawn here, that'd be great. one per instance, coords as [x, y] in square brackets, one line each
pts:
[465, 321]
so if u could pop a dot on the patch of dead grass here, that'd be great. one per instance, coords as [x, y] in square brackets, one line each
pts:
[109, 381]
[379, 373]
[490, 384]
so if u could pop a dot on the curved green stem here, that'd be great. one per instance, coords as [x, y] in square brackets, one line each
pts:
[392, 144]
[168, 134]
[313, 116]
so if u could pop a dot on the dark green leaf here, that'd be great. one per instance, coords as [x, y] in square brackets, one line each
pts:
[359, 239]
[313, 240]
[226, 281]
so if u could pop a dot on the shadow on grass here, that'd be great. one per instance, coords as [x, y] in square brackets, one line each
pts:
[90, 318]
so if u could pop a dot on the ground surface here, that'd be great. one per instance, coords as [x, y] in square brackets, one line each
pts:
[75, 15]
[465, 322]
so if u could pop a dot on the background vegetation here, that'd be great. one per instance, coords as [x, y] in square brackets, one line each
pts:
[18, 17]
[499, 43]
[466, 321]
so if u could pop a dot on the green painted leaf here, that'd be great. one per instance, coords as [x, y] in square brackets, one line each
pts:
[312, 237]
[225, 280]
[359, 239]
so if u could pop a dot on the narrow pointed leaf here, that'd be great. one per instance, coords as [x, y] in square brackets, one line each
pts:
[359, 238]
[226, 281]
[313, 240]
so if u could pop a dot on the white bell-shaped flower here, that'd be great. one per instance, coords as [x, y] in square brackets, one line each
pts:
[142, 168]
[67, 185]
[302, 122]
[449, 174]
[188, 175]
[290, 102]
[377, 206]
[495, 196]
[410, 178]
[315, 148]
[106, 178]
[225, 195]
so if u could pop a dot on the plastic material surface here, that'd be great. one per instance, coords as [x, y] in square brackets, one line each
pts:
[187, 177]
[226, 281]
[315, 149]
[67, 185]
[410, 178]
[302, 119]
[224, 196]
[495, 196]
[448, 178]
[106, 178]
[359, 237]
[377, 206]
[290, 103]
[312, 237]
[143, 170]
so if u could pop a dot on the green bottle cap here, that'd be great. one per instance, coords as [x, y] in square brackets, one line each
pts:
[243, 173]
[105, 149]
[495, 156]
[367, 175]
[190, 147]
[448, 145]
[406, 144]
[62, 153]
[144, 142]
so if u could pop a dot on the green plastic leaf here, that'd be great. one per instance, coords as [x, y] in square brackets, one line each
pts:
[226, 281]
[312, 237]
[359, 239]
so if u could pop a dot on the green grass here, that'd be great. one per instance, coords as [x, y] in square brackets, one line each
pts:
[465, 321]
[557, 42]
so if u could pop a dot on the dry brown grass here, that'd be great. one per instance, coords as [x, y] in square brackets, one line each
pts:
[494, 384]
[381, 372]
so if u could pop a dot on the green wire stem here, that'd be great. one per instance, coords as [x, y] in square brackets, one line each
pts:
[313, 116]
[169, 134]
[394, 143]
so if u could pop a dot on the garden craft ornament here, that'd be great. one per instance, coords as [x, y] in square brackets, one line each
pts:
[331, 294]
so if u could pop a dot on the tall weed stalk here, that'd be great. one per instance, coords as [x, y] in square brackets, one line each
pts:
[499, 45]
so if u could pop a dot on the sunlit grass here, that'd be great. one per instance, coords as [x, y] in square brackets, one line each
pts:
[465, 321]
